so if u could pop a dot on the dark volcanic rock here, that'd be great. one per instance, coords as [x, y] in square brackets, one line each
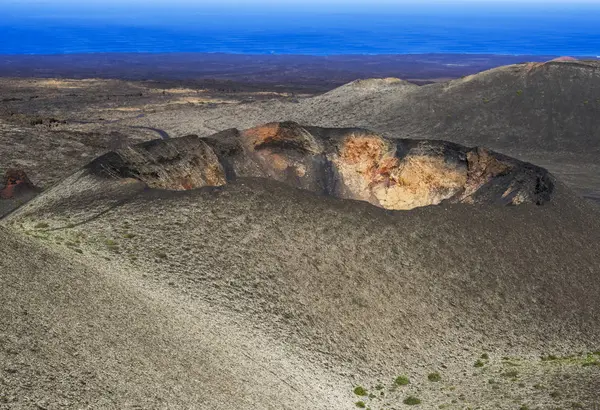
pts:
[177, 164]
[345, 163]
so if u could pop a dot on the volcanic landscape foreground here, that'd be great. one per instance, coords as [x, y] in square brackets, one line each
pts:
[382, 245]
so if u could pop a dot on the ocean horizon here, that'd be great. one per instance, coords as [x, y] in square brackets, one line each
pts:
[534, 30]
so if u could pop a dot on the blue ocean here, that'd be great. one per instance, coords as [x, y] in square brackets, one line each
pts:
[474, 28]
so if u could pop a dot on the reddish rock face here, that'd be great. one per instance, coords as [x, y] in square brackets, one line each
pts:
[346, 163]
[13, 179]
[564, 58]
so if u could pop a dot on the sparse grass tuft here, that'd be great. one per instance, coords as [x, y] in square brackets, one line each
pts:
[41, 225]
[110, 242]
[479, 363]
[128, 235]
[485, 356]
[411, 401]
[360, 391]
[434, 377]
[402, 381]
[360, 404]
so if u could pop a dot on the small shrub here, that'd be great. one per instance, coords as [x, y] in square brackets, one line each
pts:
[479, 363]
[110, 242]
[401, 381]
[411, 401]
[485, 356]
[511, 374]
[519, 92]
[434, 377]
[523, 407]
[129, 235]
[360, 391]
[360, 404]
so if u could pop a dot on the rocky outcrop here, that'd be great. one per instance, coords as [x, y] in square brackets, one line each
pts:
[346, 163]
[177, 164]
[15, 190]
[14, 180]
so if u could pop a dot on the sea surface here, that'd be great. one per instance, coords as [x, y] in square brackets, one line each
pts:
[573, 29]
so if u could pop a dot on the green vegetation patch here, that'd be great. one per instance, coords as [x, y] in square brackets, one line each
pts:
[411, 401]
[434, 377]
[360, 391]
[401, 381]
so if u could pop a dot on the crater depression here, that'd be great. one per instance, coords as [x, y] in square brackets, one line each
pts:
[350, 163]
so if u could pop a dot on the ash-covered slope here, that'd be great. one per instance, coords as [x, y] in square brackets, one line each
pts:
[347, 291]
[345, 163]
[84, 333]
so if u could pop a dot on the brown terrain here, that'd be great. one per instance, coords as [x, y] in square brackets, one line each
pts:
[383, 245]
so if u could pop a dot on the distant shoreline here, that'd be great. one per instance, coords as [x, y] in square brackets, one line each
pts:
[263, 54]
[314, 72]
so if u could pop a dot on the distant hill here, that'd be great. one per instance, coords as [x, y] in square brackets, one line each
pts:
[549, 106]
[545, 113]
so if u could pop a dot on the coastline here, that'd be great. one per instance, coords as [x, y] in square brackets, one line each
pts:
[320, 72]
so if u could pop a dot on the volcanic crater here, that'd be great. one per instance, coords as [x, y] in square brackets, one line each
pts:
[352, 163]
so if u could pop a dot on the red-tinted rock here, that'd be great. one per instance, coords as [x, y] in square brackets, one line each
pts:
[13, 181]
